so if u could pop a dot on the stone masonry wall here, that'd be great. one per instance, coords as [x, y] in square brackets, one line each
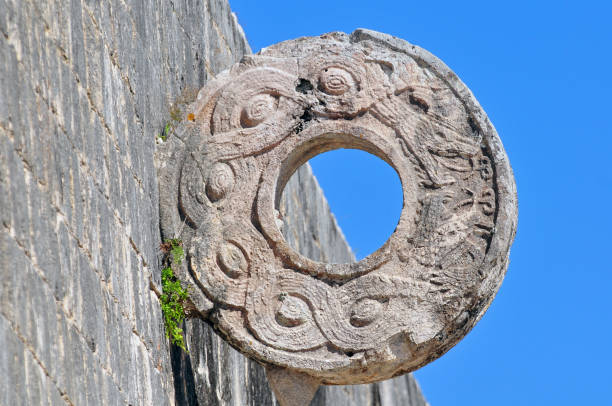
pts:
[85, 87]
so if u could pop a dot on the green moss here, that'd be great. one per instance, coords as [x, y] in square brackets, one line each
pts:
[173, 294]
[168, 129]
[176, 116]
[176, 249]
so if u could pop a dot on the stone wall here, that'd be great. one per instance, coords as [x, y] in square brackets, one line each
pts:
[85, 87]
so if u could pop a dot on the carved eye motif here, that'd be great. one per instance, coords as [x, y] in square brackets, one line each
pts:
[220, 182]
[251, 99]
[232, 260]
[292, 312]
[336, 81]
[365, 312]
[257, 109]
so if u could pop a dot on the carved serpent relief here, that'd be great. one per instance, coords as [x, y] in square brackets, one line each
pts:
[399, 308]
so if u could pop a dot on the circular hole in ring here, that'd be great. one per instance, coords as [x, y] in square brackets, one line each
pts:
[362, 191]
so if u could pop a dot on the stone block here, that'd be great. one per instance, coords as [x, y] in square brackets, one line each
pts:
[13, 388]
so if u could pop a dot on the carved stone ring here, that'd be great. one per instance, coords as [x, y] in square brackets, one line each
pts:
[397, 309]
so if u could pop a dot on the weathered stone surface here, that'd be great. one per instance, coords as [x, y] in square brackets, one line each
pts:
[341, 323]
[84, 89]
[290, 387]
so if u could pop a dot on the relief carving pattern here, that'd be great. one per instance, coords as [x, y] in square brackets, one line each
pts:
[399, 308]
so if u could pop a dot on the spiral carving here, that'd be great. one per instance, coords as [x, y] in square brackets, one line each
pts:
[336, 81]
[220, 182]
[365, 311]
[400, 307]
[257, 109]
[232, 260]
[292, 312]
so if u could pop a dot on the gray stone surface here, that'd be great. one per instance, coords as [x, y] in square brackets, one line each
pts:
[84, 88]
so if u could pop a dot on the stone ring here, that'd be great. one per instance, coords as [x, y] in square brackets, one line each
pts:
[397, 309]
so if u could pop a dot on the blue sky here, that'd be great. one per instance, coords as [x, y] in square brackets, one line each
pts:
[542, 71]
